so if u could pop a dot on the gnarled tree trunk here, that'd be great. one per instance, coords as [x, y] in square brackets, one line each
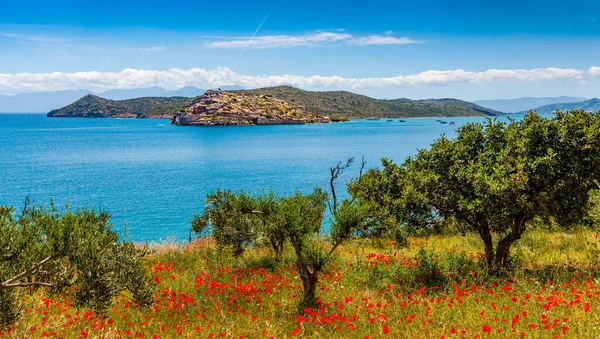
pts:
[309, 284]
[277, 245]
[309, 278]
[503, 248]
[488, 245]
[497, 259]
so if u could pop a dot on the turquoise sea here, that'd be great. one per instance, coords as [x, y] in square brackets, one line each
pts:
[155, 176]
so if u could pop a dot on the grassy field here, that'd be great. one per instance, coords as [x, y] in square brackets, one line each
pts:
[434, 288]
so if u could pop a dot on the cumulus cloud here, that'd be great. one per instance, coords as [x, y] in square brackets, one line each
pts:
[147, 49]
[175, 78]
[595, 71]
[311, 39]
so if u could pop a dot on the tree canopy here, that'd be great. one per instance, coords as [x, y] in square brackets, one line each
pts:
[495, 178]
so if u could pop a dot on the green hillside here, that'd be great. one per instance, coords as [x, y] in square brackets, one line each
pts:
[91, 106]
[344, 103]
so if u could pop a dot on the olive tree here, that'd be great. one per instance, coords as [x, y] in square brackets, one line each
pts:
[497, 177]
[239, 219]
[42, 247]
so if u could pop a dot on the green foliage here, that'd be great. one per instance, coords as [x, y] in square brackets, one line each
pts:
[428, 271]
[594, 211]
[10, 310]
[44, 248]
[238, 220]
[339, 119]
[495, 178]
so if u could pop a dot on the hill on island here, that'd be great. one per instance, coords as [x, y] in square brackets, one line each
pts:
[591, 105]
[331, 103]
[92, 106]
[352, 105]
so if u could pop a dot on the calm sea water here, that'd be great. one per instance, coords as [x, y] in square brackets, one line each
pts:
[155, 176]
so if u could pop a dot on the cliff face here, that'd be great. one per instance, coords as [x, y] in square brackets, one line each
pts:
[228, 108]
[91, 106]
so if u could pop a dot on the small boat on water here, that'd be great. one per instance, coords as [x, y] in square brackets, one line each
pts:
[372, 119]
[452, 122]
[390, 120]
[401, 120]
[442, 121]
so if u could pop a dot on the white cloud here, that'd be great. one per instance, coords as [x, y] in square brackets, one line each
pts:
[37, 38]
[383, 40]
[312, 39]
[147, 49]
[175, 78]
[595, 71]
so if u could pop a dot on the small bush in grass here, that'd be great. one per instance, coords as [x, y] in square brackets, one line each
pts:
[70, 250]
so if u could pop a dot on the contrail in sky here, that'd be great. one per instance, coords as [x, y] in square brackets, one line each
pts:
[252, 37]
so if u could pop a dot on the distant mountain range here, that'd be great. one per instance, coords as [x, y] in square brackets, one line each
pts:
[591, 105]
[524, 104]
[42, 102]
[333, 104]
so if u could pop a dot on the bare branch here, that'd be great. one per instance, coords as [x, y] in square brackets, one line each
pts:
[363, 163]
[27, 284]
[335, 172]
[30, 270]
[350, 234]
[26, 203]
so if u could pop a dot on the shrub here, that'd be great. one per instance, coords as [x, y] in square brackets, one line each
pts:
[44, 248]
[429, 273]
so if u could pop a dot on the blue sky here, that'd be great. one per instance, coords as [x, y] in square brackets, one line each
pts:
[417, 49]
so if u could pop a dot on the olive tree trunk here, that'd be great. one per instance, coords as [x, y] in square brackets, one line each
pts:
[503, 248]
[309, 285]
[497, 259]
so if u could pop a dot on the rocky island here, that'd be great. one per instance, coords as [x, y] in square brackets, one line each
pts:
[215, 108]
